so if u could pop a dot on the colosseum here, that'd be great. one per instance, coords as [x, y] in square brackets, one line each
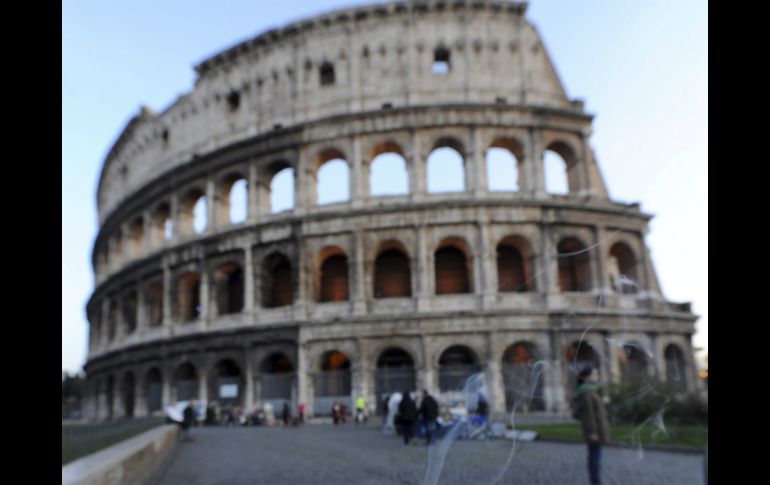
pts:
[371, 290]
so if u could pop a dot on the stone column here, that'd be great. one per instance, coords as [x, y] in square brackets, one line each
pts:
[476, 166]
[533, 164]
[359, 186]
[359, 261]
[253, 194]
[423, 271]
[416, 169]
[248, 284]
[147, 242]
[167, 295]
[211, 207]
[488, 265]
[249, 378]
[205, 295]
[428, 377]
[494, 375]
[597, 266]
[176, 231]
[141, 310]
[165, 398]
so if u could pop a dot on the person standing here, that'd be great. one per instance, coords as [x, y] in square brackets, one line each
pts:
[407, 413]
[286, 414]
[189, 418]
[360, 409]
[429, 413]
[588, 408]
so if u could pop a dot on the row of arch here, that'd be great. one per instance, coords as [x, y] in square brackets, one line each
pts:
[392, 278]
[523, 381]
[389, 175]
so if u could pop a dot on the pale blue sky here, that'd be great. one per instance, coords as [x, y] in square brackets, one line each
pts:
[641, 67]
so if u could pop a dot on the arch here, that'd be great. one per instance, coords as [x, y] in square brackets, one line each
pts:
[561, 168]
[676, 374]
[227, 382]
[228, 288]
[514, 265]
[277, 379]
[456, 365]
[129, 308]
[112, 320]
[395, 373]
[332, 276]
[388, 174]
[332, 384]
[523, 382]
[136, 236]
[574, 265]
[277, 284]
[504, 159]
[634, 364]
[155, 293]
[281, 183]
[232, 198]
[452, 267]
[189, 296]
[326, 73]
[128, 394]
[185, 382]
[622, 269]
[576, 356]
[332, 172]
[392, 275]
[153, 388]
[446, 167]
[441, 60]
[192, 214]
[162, 224]
[276, 363]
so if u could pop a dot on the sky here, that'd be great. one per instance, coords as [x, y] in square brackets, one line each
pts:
[640, 66]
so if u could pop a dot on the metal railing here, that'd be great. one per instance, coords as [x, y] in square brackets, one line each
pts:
[80, 439]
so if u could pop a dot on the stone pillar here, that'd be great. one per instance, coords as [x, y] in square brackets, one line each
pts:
[533, 164]
[303, 183]
[556, 376]
[166, 377]
[211, 207]
[494, 375]
[428, 375]
[597, 266]
[488, 253]
[253, 214]
[359, 285]
[203, 378]
[249, 379]
[176, 231]
[304, 390]
[248, 284]
[147, 242]
[105, 324]
[476, 166]
[548, 280]
[416, 168]
[205, 296]
[423, 271]
[612, 349]
[142, 316]
[359, 183]
[167, 295]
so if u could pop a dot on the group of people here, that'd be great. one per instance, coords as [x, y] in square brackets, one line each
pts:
[408, 413]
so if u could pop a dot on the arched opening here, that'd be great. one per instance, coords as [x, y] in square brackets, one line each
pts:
[576, 356]
[622, 269]
[561, 169]
[162, 225]
[281, 195]
[228, 288]
[112, 320]
[514, 272]
[128, 392]
[136, 236]
[333, 177]
[574, 266]
[333, 277]
[388, 172]
[227, 383]
[232, 199]
[277, 379]
[456, 365]
[192, 214]
[675, 367]
[395, 373]
[441, 61]
[633, 364]
[189, 297]
[185, 382]
[326, 73]
[452, 270]
[392, 277]
[446, 170]
[129, 308]
[332, 383]
[277, 288]
[154, 391]
[155, 303]
[524, 383]
[504, 165]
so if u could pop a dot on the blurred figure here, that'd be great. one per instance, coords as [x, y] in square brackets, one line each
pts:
[360, 409]
[336, 412]
[429, 413]
[588, 408]
[407, 414]
[189, 419]
[301, 412]
[286, 414]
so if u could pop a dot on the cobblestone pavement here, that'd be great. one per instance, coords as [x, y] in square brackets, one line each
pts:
[321, 454]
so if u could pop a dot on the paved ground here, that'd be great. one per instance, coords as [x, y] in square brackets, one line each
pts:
[320, 454]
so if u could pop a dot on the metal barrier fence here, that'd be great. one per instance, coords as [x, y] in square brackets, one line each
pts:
[80, 439]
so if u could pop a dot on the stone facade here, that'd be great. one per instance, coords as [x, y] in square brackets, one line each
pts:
[268, 304]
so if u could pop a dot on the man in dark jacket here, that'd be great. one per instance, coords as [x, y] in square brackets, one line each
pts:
[189, 418]
[429, 413]
[588, 408]
[407, 414]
